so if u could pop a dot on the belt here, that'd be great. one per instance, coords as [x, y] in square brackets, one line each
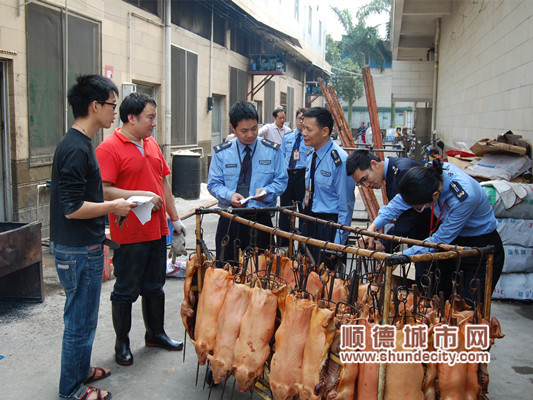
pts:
[296, 171]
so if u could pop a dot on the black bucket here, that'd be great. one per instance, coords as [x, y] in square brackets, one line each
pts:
[186, 175]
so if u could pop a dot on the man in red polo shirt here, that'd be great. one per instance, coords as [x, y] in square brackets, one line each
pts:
[132, 164]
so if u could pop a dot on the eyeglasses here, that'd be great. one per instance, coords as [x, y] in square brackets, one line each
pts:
[362, 181]
[114, 105]
[300, 118]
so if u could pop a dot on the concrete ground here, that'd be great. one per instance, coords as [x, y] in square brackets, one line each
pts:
[30, 346]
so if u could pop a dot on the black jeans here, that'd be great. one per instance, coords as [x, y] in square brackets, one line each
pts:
[235, 230]
[140, 269]
[472, 267]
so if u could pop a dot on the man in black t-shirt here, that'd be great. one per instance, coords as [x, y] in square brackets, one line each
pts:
[77, 231]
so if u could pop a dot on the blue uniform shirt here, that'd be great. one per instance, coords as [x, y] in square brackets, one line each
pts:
[463, 205]
[334, 190]
[286, 146]
[268, 172]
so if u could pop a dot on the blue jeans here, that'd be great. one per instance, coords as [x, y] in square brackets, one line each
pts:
[80, 273]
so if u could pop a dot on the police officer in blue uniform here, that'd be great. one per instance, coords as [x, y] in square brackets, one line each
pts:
[240, 168]
[329, 193]
[466, 218]
[367, 169]
[295, 154]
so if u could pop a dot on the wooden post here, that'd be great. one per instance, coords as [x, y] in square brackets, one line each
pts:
[369, 199]
[488, 287]
[374, 119]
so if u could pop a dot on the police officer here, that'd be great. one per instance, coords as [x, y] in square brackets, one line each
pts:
[329, 193]
[368, 170]
[295, 153]
[242, 167]
[466, 218]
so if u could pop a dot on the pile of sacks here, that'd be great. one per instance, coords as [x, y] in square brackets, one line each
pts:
[513, 206]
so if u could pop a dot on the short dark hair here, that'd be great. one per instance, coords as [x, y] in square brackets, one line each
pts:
[240, 111]
[277, 111]
[359, 159]
[323, 117]
[134, 104]
[300, 110]
[89, 88]
[419, 183]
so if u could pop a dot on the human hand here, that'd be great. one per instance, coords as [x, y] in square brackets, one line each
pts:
[257, 192]
[179, 227]
[157, 201]
[177, 248]
[236, 200]
[121, 207]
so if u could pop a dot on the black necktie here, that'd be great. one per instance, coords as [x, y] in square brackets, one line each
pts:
[292, 161]
[246, 168]
[312, 181]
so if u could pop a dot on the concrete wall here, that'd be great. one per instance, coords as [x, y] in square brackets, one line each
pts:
[412, 81]
[485, 83]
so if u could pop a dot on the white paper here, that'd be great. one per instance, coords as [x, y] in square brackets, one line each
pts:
[262, 193]
[143, 211]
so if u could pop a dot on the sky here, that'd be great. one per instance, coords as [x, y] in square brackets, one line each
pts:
[334, 27]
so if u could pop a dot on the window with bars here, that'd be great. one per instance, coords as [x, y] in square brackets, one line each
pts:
[46, 73]
[184, 97]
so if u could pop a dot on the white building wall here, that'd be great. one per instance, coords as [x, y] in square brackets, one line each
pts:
[485, 84]
[412, 81]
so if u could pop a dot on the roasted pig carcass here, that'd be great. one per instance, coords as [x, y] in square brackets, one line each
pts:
[340, 291]
[228, 328]
[367, 380]
[314, 285]
[257, 328]
[286, 365]
[345, 383]
[188, 306]
[216, 284]
[404, 380]
[321, 334]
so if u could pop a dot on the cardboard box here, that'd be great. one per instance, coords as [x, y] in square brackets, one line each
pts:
[484, 146]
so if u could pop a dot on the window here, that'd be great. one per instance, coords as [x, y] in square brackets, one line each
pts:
[184, 97]
[196, 18]
[152, 6]
[320, 32]
[46, 73]
[237, 85]
[297, 10]
[310, 20]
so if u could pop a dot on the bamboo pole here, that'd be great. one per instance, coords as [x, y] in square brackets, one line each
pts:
[382, 372]
[488, 287]
[348, 249]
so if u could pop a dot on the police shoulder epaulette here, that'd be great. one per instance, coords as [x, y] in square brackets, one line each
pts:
[458, 190]
[336, 158]
[269, 143]
[222, 146]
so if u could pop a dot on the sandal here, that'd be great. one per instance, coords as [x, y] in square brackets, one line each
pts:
[97, 373]
[89, 390]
